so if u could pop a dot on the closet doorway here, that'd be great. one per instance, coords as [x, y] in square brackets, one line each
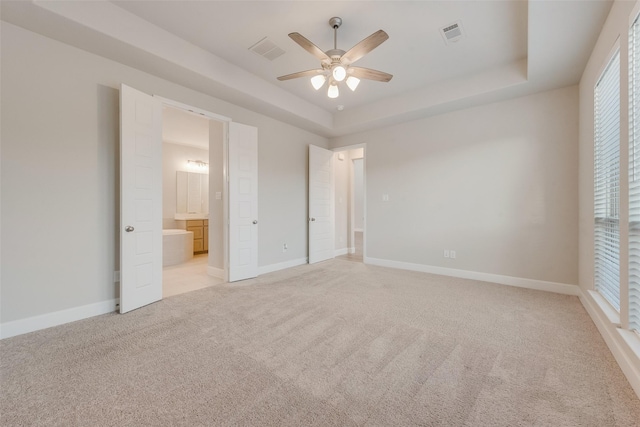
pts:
[350, 203]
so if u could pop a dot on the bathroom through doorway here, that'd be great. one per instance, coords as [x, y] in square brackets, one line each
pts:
[192, 201]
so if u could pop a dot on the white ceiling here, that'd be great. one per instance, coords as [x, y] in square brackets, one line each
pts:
[511, 48]
[181, 127]
[415, 53]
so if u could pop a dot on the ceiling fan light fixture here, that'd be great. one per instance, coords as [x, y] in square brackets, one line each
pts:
[339, 73]
[333, 91]
[337, 64]
[318, 81]
[353, 82]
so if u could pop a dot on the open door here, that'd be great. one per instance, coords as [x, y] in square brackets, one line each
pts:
[140, 199]
[243, 202]
[321, 204]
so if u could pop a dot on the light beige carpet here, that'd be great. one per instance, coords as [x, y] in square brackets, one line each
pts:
[334, 344]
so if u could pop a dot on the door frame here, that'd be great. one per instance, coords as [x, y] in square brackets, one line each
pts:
[225, 170]
[351, 224]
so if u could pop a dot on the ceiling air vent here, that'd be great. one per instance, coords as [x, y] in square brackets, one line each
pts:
[267, 49]
[452, 32]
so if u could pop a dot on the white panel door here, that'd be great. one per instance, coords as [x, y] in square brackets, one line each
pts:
[243, 202]
[321, 204]
[140, 199]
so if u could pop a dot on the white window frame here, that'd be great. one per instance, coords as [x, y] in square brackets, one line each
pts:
[632, 292]
[607, 177]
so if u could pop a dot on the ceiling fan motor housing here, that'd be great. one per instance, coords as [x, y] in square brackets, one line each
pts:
[335, 22]
[335, 54]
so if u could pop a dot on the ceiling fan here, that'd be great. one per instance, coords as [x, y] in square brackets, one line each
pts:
[336, 63]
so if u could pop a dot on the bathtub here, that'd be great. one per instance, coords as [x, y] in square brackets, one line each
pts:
[177, 246]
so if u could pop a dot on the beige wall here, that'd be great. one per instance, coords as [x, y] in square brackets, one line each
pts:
[496, 183]
[60, 209]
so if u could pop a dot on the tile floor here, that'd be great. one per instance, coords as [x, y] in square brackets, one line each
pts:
[187, 277]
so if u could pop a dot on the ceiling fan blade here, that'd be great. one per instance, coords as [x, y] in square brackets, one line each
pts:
[366, 73]
[310, 47]
[301, 74]
[364, 47]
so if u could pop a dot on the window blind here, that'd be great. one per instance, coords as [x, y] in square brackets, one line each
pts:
[634, 177]
[607, 182]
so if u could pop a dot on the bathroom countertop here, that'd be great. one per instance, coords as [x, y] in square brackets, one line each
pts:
[190, 216]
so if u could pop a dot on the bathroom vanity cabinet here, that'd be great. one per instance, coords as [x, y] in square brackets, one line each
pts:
[200, 228]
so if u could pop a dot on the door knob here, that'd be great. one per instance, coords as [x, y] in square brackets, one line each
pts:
[255, 221]
[128, 229]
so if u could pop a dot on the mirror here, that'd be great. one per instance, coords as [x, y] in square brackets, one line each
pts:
[193, 193]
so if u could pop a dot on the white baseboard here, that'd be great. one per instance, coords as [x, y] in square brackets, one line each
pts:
[560, 288]
[352, 250]
[215, 272]
[281, 266]
[342, 251]
[358, 230]
[623, 344]
[44, 321]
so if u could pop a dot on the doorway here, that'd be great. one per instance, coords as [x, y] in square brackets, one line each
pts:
[192, 211]
[356, 250]
[337, 203]
[350, 203]
[141, 237]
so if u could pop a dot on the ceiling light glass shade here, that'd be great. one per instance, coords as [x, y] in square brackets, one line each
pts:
[333, 91]
[317, 81]
[353, 82]
[339, 73]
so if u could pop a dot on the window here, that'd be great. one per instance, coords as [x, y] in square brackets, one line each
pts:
[634, 177]
[607, 182]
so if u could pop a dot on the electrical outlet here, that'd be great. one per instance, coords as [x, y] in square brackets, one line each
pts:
[385, 197]
[446, 253]
[452, 254]
[284, 247]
